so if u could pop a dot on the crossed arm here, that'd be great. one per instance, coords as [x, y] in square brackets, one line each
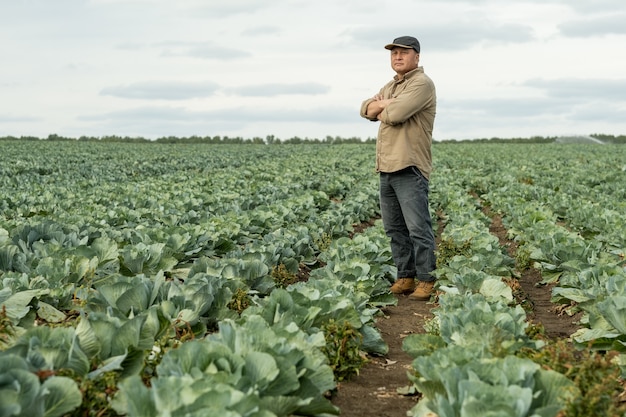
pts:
[377, 105]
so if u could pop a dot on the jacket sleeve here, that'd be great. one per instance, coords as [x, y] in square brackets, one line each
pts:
[367, 103]
[364, 110]
[418, 94]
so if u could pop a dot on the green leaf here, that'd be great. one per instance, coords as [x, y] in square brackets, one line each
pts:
[87, 339]
[113, 363]
[7, 253]
[52, 348]
[134, 299]
[495, 288]
[373, 341]
[20, 392]
[134, 399]
[282, 405]
[48, 313]
[261, 369]
[61, 395]
[112, 292]
[614, 311]
[17, 305]
[422, 344]
[553, 390]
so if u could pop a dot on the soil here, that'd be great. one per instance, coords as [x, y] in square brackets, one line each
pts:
[374, 391]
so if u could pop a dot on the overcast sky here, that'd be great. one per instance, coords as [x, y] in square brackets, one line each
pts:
[252, 68]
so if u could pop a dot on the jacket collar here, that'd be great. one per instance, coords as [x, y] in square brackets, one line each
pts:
[410, 74]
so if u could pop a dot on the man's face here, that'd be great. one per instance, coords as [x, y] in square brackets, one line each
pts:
[404, 60]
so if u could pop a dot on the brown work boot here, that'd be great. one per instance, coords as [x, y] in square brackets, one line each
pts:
[403, 286]
[423, 291]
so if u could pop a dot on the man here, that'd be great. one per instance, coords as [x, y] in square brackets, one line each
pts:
[405, 108]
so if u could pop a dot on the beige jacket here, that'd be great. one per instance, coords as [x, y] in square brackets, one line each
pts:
[406, 128]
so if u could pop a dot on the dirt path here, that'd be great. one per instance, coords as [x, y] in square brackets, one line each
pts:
[540, 309]
[373, 393]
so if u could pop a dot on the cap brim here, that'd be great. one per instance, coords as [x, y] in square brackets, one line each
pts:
[392, 45]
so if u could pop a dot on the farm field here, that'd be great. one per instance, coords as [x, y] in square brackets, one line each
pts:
[251, 280]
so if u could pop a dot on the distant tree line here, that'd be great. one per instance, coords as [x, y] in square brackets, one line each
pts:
[269, 139]
[534, 139]
[273, 140]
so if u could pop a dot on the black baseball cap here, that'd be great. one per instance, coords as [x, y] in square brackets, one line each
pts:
[405, 42]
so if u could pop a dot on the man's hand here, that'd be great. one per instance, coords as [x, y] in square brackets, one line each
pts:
[377, 105]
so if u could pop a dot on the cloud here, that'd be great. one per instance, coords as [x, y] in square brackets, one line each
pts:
[554, 114]
[507, 68]
[162, 90]
[614, 23]
[241, 115]
[202, 9]
[160, 121]
[581, 89]
[131, 46]
[192, 49]
[596, 6]
[468, 34]
[8, 118]
[606, 112]
[127, 2]
[183, 90]
[451, 35]
[261, 30]
[145, 113]
[494, 108]
[270, 90]
[570, 99]
[203, 50]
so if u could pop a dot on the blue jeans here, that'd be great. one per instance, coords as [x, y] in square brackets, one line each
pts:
[407, 222]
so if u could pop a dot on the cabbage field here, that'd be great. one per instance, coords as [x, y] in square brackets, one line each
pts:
[151, 279]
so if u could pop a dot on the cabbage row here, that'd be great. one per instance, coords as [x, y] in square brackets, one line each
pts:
[565, 206]
[466, 364]
[562, 205]
[123, 265]
[141, 278]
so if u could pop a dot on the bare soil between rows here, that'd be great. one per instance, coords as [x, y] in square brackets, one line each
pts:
[374, 391]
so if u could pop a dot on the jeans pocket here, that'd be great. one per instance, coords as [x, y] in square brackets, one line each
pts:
[417, 172]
